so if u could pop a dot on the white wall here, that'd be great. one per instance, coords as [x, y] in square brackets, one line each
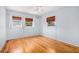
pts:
[49, 31]
[20, 32]
[67, 25]
[6, 30]
[66, 29]
[2, 26]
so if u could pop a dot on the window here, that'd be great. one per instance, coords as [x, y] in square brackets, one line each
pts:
[51, 21]
[28, 21]
[16, 21]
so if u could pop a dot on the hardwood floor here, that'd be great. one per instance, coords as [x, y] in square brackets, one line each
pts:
[38, 44]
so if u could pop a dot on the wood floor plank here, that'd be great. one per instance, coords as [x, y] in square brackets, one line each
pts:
[38, 44]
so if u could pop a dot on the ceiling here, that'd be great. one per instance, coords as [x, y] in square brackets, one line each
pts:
[37, 10]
